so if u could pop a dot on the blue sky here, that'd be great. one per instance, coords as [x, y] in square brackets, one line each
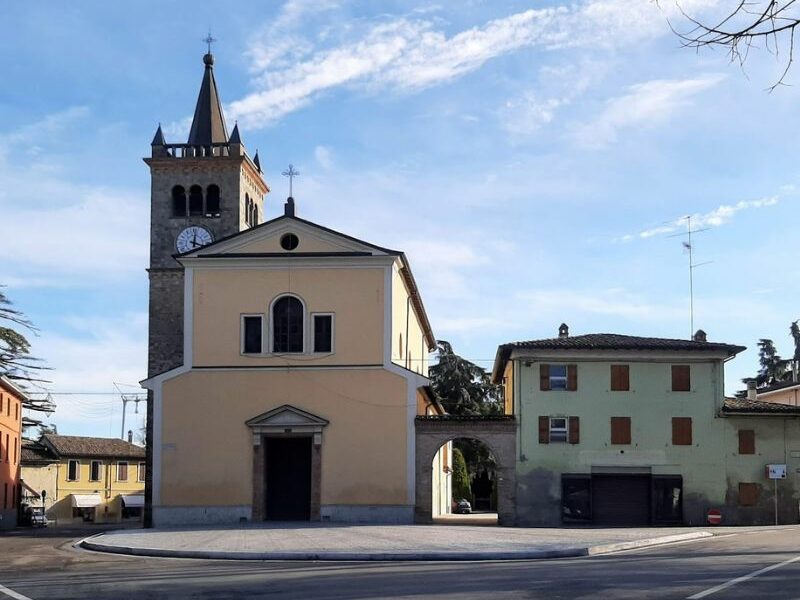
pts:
[531, 158]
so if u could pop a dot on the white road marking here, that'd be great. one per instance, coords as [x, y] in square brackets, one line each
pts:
[12, 593]
[733, 582]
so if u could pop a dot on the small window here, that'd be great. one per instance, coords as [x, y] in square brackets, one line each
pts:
[558, 377]
[122, 471]
[178, 201]
[255, 215]
[620, 378]
[681, 431]
[142, 471]
[748, 494]
[747, 441]
[195, 201]
[681, 378]
[72, 470]
[558, 429]
[16, 411]
[252, 331]
[621, 430]
[323, 333]
[289, 242]
[212, 201]
[247, 210]
[94, 470]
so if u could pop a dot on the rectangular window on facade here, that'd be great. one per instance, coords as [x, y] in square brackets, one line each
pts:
[748, 494]
[558, 377]
[681, 431]
[16, 411]
[681, 378]
[72, 470]
[576, 497]
[94, 470]
[122, 471]
[252, 330]
[620, 430]
[620, 378]
[142, 467]
[558, 429]
[16, 450]
[8, 447]
[747, 441]
[323, 333]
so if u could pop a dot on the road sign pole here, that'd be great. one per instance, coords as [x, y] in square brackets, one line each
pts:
[776, 500]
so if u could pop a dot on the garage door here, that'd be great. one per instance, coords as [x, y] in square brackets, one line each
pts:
[621, 499]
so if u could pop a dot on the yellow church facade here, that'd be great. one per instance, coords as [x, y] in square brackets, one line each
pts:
[304, 365]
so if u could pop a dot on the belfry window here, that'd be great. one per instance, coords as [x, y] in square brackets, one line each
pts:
[178, 201]
[247, 210]
[287, 325]
[212, 201]
[195, 201]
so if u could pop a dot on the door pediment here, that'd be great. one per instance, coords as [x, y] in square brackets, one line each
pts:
[286, 419]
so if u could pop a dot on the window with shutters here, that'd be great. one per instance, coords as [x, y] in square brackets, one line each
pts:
[559, 430]
[252, 334]
[122, 471]
[621, 430]
[94, 470]
[681, 378]
[142, 469]
[72, 470]
[681, 431]
[748, 494]
[620, 378]
[747, 441]
[558, 377]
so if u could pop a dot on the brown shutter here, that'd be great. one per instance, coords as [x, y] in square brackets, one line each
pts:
[748, 494]
[747, 441]
[681, 380]
[544, 430]
[572, 378]
[620, 378]
[620, 430]
[681, 431]
[574, 430]
[544, 378]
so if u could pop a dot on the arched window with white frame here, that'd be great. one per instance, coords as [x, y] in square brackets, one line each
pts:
[288, 320]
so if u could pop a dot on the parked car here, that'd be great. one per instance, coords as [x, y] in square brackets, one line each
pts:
[463, 507]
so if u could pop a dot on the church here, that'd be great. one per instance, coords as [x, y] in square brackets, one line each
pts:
[287, 361]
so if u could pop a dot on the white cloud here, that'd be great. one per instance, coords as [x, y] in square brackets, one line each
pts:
[324, 157]
[645, 105]
[613, 302]
[715, 218]
[408, 54]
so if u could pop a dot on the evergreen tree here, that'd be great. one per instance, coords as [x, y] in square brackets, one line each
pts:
[463, 387]
[461, 485]
[771, 365]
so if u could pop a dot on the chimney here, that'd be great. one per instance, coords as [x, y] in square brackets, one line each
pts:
[751, 390]
[700, 336]
[563, 331]
[130, 436]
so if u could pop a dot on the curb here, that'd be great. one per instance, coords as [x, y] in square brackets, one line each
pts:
[90, 543]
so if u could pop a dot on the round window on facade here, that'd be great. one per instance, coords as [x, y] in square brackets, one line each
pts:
[289, 241]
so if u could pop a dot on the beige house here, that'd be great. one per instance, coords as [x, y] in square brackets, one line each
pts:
[785, 392]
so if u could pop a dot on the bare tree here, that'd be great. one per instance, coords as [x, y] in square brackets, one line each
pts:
[747, 25]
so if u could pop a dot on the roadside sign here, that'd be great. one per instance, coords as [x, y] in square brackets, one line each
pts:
[714, 516]
[776, 471]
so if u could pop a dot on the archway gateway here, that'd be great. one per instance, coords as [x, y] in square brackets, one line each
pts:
[499, 433]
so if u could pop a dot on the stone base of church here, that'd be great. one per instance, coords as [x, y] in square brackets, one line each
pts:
[366, 513]
[166, 516]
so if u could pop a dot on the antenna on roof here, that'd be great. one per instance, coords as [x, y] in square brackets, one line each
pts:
[687, 245]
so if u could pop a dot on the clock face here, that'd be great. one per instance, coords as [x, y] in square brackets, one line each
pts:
[192, 238]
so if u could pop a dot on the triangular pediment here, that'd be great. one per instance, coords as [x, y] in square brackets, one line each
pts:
[312, 239]
[286, 416]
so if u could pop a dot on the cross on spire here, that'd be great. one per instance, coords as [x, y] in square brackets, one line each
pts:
[209, 40]
[291, 173]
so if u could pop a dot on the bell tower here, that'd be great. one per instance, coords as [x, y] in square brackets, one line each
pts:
[201, 191]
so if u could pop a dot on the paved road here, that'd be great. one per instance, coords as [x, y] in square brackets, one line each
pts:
[43, 565]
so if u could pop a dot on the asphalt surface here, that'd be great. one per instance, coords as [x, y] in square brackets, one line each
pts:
[43, 565]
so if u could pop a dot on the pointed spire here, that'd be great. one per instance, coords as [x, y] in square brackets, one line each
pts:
[235, 137]
[257, 162]
[208, 125]
[158, 138]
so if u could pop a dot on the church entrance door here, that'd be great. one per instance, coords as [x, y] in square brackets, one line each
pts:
[288, 478]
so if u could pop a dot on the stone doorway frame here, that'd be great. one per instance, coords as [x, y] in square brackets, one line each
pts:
[498, 433]
[285, 421]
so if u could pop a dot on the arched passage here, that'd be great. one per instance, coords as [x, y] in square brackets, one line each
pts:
[498, 433]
